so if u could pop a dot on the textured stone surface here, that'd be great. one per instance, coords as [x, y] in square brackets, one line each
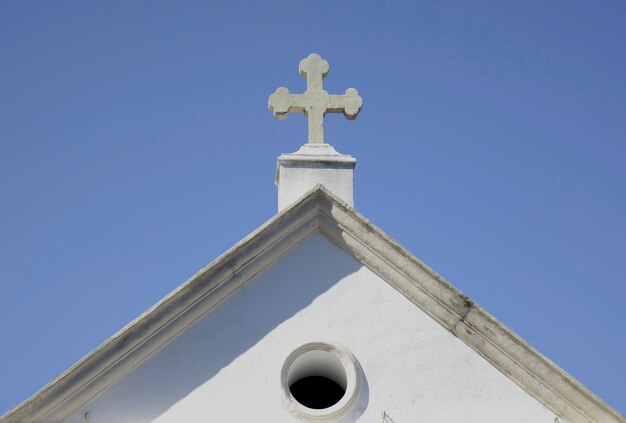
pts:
[315, 102]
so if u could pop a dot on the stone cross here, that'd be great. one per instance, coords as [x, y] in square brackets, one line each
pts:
[315, 102]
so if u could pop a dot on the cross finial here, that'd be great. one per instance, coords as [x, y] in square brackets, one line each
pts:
[315, 102]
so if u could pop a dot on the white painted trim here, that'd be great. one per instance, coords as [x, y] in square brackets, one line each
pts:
[318, 210]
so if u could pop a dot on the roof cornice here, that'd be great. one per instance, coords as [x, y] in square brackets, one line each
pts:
[317, 211]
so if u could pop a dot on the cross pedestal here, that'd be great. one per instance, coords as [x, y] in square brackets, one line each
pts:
[299, 172]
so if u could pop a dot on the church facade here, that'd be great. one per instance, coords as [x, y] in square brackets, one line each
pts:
[316, 316]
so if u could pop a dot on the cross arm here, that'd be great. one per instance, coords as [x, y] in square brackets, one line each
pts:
[350, 103]
[281, 103]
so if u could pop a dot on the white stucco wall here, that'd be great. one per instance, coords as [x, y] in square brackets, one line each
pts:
[226, 368]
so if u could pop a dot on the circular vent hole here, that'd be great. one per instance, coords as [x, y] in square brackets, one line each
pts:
[317, 379]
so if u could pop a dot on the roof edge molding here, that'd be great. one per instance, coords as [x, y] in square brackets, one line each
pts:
[317, 211]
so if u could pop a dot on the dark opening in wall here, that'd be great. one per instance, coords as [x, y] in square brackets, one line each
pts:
[317, 392]
[320, 382]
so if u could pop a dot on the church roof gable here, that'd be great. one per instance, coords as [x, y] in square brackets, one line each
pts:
[317, 211]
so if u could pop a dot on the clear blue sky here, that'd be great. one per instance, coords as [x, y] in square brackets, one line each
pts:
[136, 146]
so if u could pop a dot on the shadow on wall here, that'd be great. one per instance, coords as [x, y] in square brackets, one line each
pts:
[209, 346]
[364, 398]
